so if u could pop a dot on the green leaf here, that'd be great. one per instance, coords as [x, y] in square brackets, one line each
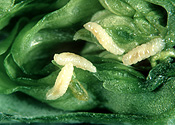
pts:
[115, 93]
[164, 56]
[156, 103]
[7, 85]
[6, 43]
[118, 7]
[127, 85]
[9, 9]
[37, 47]
[5, 5]
[69, 101]
[74, 98]
[73, 12]
[39, 40]
[13, 8]
[169, 6]
[117, 77]
[159, 75]
[145, 22]
[32, 111]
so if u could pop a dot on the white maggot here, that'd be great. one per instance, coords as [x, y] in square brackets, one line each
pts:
[75, 59]
[143, 51]
[103, 38]
[62, 82]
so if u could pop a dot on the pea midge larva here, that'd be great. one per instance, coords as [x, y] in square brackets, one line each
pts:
[65, 75]
[76, 60]
[143, 51]
[62, 82]
[103, 38]
[78, 90]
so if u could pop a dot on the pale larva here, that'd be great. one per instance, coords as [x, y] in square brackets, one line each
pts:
[143, 51]
[75, 59]
[62, 82]
[103, 38]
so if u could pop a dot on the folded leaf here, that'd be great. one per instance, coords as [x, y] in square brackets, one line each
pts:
[52, 32]
[38, 87]
[11, 8]
[115, 94]
[5, 44]
[119, 7]
[159, 75]
[32, 111]
[7, 85]
[154, 103]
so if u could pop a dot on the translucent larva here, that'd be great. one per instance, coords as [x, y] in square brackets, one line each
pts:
[103, 38]
[143, 51]
[78, 90]
[62, 82]
[76, 60]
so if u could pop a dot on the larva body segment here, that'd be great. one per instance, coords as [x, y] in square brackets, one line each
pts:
[62, 82]
[103, 38]
[143, 51]
[76, 60]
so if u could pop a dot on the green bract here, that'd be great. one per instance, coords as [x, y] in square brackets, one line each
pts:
[32, 31]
